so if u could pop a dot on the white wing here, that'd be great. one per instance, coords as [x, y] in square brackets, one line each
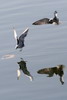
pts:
[15, 34]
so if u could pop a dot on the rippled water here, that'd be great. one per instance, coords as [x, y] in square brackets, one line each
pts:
[45, 46]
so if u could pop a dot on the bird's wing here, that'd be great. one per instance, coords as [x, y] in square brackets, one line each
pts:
[18, 74]
[41, 21]
[27, 73]
[30, 77]
[15, 34]
[24, 34]
[16, 37]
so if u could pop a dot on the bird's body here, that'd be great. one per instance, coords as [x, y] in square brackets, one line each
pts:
[54, 20]
[58, 70]
[20, 40]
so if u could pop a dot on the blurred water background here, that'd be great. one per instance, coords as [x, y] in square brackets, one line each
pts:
[45, 46]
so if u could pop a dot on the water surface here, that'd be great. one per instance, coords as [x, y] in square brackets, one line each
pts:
[45, 46]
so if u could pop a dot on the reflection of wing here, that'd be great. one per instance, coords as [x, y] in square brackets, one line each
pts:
[41, 21]
[22, 65]
[24, 34]
[18, 74]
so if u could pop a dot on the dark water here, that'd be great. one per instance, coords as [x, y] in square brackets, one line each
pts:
[45, 46]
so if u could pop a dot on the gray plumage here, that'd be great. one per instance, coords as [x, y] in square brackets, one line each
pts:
[20, 40]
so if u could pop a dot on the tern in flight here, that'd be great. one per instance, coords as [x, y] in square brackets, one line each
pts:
[20, 39]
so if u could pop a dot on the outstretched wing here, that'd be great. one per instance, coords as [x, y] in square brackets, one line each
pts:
[41, 21]
[18, 74]
[15, 34]
[24, 34]
[16, 37]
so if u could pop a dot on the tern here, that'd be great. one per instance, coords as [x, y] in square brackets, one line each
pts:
[20, 39]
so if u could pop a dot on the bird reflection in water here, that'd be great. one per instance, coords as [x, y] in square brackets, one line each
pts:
[58, 70]
[23, 68]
